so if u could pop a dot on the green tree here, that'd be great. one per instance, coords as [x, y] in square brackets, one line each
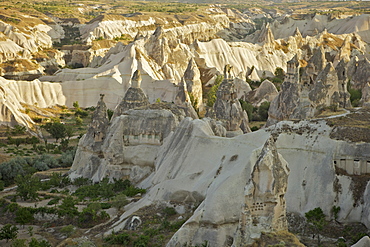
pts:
[39, 243]
[78, 120]
[76, 105]
[110, 114]
[247, 107]
[68, 207]
[23, 216]
[69, 131]
[316, 220]
[10, 169]
[279, 73]
[56, 129]
[119, 201]
[212, 93]
[8, 232]
[263, 110]
[27, 187]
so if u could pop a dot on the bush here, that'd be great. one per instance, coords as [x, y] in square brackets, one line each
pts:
[8, 232]
[169, 211]
[67, 158]
[247, 107]
[24, 216]
[27, 187]
[45, 162]
[212, 94]
[81, 113]
[123, 239]
[39, 243]
[67, 230]
[263, 110]
[9, 170]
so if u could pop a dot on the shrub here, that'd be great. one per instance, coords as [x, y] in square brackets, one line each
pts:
[123, 239]
[66, 159]
[24, 216]
[67, 230]
[8, 232]
[81, 113]
[247, 107]
[27, 187]
[263, 110]
[169, 211]
[212, 94]
[39, 243]
[9, 170]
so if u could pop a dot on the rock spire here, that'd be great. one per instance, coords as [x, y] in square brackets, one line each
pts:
[264, 208]
[134, 97]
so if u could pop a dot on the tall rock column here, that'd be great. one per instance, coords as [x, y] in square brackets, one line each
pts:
[227, 107]
[134, 97]
[264, 208]
[89, 149]
[194, 84]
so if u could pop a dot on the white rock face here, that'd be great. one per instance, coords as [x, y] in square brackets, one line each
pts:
[193, 166]
[363, 242]
[344, 25]
[13, 93]
[264, 209]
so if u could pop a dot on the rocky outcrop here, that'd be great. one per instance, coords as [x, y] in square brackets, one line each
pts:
[365, 99]
[216, 180]
[194, 84]
[264, 209]
[363, 242]
[228, 110]
[134, 97]
[266, 92]
[303, 97]
[134, 139]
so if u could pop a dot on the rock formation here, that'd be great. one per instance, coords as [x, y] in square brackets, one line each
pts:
[193, 83]
[365, 99]
[134, 138]
[228, 110]
[307, 90]
[264, 208]
[265, 92]
[134, 97]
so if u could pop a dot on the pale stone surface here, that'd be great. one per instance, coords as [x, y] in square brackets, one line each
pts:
[134, 97]
[306, 91]
[126, 147]
[193, 83]
[264, 209]
[265, 92]
[228, 110]
[363, 242]
[217, 177]
[365, 99]
[13, 93]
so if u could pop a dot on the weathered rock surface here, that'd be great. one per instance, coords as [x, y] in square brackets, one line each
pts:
[264, 209]
[125, 148]
[363, 242]
[193, 83]
[365, 99]
[228, 110]
[266, 92]
[134, 97]
[306, 91]
[194, 166]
